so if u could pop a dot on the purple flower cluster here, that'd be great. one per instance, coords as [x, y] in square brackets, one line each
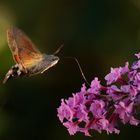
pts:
[100, 107]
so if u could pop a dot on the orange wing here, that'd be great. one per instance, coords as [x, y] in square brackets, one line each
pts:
[23, 50]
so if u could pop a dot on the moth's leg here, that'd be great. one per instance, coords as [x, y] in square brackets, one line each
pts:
[43, 70]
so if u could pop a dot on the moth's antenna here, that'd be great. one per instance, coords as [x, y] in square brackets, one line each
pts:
[80, 68]
[58, 50]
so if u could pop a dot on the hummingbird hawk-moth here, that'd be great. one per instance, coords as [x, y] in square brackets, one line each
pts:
[29, 60]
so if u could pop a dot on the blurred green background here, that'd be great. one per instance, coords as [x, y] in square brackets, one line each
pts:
[100, 33]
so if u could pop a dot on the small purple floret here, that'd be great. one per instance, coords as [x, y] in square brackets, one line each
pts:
[138, 55]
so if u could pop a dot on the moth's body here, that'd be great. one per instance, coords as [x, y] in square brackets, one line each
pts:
[29, 60]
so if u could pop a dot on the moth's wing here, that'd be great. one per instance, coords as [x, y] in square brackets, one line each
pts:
[23, 50]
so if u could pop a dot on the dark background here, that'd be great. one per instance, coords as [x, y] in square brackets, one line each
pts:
[100, 33]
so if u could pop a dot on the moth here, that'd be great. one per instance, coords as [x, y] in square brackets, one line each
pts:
[29, 60]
